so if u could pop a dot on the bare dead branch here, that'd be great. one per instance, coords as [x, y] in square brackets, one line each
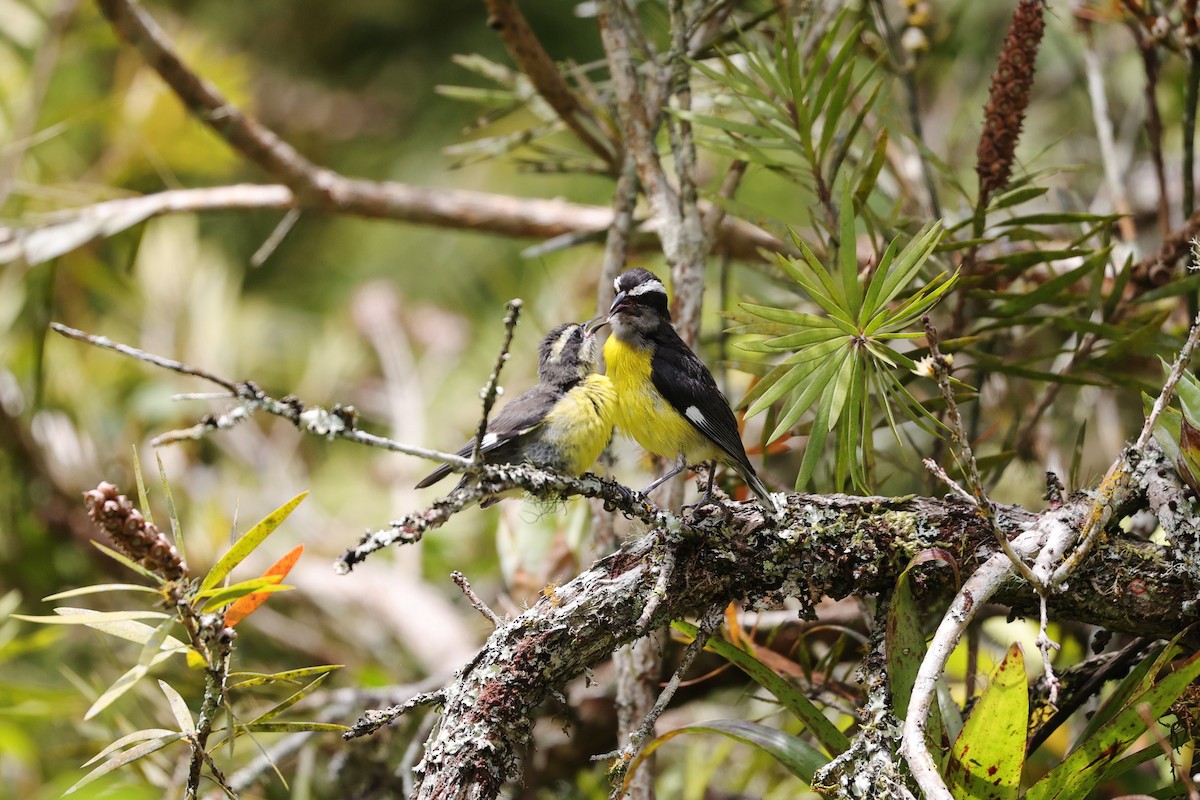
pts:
[531, 58]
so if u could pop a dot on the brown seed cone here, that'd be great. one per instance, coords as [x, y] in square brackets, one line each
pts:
[131, 534]
[1008, 98]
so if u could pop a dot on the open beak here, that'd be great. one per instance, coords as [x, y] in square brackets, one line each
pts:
[593, 325]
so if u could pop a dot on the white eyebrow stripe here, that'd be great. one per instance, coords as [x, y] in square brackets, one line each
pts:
[646, 288]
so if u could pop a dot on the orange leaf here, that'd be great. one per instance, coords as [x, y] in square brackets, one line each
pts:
[245, 606]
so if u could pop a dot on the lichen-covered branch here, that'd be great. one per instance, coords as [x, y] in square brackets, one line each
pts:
[824, 545]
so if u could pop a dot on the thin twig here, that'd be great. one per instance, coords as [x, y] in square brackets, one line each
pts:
[711, 620]
[1115, 484]
[494, 479]
[489, 392]
[276, 238]
[375, 719]
[461, 581]
[531, 58]
[141, 355]
[941, 370]
[335, 423]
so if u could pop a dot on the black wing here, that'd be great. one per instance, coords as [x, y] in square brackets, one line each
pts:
[681, 377]
[506, 430]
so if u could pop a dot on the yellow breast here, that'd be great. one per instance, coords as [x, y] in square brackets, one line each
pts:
[643, 414]
[581, 423]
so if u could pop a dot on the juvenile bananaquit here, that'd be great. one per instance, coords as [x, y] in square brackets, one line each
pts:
[561, 424]
[667, 400]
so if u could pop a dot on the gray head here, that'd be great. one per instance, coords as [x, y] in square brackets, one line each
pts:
[566, 354]
[640, 306]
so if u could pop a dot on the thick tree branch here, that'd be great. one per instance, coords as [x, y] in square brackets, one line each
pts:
[456, 209]
[489, 706]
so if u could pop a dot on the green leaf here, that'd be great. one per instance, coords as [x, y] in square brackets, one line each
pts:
[179, 708]
[1080, 772]
[814, 447]
[989, 753]
[252, 539]
[906, 651]
[797, 756]
[848, 250]
[176, 529]
[86, 616]
[899, 274]
[127, 757]
[128, 739]
[154, 652]
[143, 498]
[1050, 289]
[1059, 218]
[804, 400]
[128, 629]
[278, 709]
[100, 588]
[802, 364]
[243, 680]
[841, 386]
[225, 596]
[832, 739]
[1188, 390]
[788, 316]
[1017, 196]
[133, 565]
[294, 727]
[870, 173]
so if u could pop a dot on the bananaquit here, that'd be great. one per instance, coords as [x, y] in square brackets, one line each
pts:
[667, 399]
[562, 424]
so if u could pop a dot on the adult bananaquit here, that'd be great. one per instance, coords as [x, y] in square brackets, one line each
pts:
[667, 400]
[561, 424]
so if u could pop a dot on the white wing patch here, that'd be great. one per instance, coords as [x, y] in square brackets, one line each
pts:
[696, 416]
[489, 440]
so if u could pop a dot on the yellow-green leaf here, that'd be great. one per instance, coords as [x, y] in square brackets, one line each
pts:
[252, 539]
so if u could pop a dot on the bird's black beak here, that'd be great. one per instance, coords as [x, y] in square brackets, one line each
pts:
[593, 325]
[619, 302]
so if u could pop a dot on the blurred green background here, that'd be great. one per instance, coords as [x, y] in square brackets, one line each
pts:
[401, 321]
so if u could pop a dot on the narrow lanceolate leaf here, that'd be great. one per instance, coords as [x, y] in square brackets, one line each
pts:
[990, 751]
[133, 565]
[832, 739]
[848, 250]
[126, 757]
[905, 652]
[224, 596]
[86, 616]
[252, 539]
[100, 588]
[176, 528]
[126, 682]
[242, 680]
[1080, 772]
[798, 756]
[288, 703]
[179, 707]
[128, 739]
[128, 629]
[245, 606]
